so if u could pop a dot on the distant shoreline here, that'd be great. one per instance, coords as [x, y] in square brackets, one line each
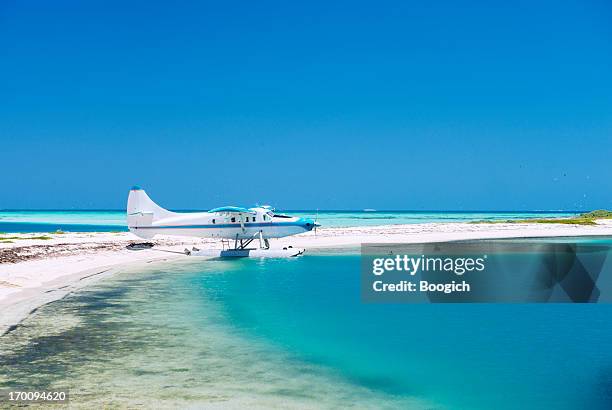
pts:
[469, 211]
[24, 221]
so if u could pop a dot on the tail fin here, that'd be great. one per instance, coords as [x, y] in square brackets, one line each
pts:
[142, 211]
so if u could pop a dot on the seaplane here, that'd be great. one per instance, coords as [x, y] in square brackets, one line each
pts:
[242, 226]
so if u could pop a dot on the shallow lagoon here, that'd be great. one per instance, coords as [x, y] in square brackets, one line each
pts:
[295, 333]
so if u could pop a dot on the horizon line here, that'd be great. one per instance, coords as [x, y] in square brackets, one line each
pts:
[365, 210]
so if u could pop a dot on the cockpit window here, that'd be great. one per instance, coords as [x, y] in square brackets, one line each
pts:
[281, 216]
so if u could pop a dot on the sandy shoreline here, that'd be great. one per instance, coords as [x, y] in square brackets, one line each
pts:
[34, 272]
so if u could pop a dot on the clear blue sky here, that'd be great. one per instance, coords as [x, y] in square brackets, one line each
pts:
[343, 105]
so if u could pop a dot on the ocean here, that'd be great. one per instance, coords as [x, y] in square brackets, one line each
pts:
[104, 221]
[293, 333]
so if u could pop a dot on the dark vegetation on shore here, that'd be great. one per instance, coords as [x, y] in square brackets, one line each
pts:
[12, 238]
[587, 218]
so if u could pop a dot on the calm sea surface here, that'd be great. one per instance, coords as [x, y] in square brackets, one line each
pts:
[94, 221]
[294, 333]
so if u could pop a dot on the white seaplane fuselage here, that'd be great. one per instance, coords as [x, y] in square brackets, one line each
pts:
[147, 219]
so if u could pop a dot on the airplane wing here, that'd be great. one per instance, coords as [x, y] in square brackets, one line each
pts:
[232, 210]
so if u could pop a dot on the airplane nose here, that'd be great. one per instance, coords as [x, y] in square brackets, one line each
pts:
[309, 224]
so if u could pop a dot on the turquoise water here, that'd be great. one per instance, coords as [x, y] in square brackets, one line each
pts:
[48, 221]
[294, 333]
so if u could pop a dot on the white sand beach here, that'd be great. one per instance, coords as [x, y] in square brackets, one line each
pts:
[34, 272]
